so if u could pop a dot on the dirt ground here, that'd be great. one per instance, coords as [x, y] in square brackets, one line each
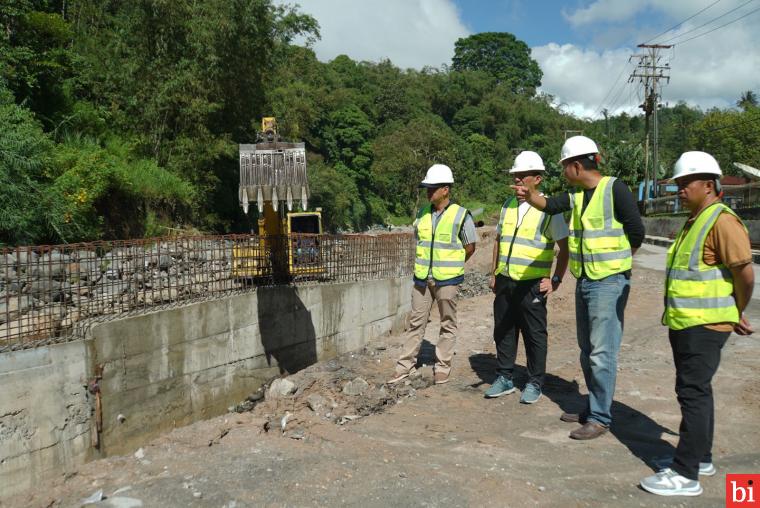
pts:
[446, 445]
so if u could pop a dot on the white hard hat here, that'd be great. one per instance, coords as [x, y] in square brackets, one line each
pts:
[527, 161]
[577, 145]
[696, 163]
[437, 176]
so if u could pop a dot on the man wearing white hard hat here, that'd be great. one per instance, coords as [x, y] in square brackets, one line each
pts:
[708, 283]
[521, 280]
[445, 234]
[605, 231]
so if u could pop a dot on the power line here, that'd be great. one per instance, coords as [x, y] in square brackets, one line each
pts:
[718, 28]
[601, 104]
[707, 23]
[682, 22]
[614, 102]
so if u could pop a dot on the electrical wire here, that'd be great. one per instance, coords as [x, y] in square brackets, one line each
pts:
[682, 22]
[719, 27]
[614, 101]
[601, 104]
[705, 24]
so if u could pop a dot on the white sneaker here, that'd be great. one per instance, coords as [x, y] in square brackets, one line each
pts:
[707, 469]
[669, 483]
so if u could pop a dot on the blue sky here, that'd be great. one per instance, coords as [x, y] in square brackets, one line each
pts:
[537, 23]
[582, 46]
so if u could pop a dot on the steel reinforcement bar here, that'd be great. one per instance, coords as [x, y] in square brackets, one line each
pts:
[53, 293]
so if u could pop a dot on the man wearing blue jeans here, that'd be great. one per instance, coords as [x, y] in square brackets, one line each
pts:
[605, 231]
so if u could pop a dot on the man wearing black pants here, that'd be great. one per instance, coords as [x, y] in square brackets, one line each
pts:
[520, 305]
[696, 355]
[708, 282]
[522, 262]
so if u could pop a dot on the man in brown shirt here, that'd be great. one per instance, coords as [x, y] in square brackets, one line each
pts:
[727, 244]
[705, 296]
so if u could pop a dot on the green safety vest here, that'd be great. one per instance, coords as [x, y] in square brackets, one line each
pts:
[525, 252]
[598, 244]
[440, 251]
[697, 293]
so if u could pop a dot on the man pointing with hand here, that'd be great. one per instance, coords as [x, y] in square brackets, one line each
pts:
[605, 231]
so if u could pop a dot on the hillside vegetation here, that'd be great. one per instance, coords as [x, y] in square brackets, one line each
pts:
[122, 119]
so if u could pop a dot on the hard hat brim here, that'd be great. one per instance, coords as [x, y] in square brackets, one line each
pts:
[579, 156]
[434, 185]
[522, 170]
[708, 175]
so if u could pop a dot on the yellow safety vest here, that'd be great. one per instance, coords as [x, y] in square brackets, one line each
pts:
[697, 293]
[598, 244]
[525, 252]
[441, 250]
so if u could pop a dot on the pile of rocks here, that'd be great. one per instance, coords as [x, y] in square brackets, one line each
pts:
[475, 284]
[44, 293]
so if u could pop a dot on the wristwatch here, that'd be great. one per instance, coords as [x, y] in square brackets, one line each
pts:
[556, 279]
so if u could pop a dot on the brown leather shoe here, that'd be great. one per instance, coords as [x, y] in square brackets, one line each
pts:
[590, 430]
[400, 376]
[573, 418]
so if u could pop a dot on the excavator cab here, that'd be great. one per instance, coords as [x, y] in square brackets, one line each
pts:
[273, 176]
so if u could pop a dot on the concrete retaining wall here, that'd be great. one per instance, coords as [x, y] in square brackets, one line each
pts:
[668, 227]
[173, 367]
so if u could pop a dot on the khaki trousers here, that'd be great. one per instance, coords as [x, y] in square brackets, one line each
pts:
[422, 302]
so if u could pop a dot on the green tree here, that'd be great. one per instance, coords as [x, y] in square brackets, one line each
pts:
[403, 156]
[625, 161]
[748, 100]
[730, 137]
[501, 55]
[25, 157]
[35, 59]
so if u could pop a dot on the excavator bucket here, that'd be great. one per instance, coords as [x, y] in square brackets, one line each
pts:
[273, 171]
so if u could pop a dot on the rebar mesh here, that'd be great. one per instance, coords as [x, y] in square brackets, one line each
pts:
[52, 293]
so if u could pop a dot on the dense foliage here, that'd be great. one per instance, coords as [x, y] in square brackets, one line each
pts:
[122, 119]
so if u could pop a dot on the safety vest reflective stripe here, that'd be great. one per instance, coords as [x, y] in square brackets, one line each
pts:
[448, 264]
[702, 302]
[600, 256]
[717, 273]
[528, 243]
[696, 293]
[439, 245]
[525, 252]
[535, 263]
[598, 244]
[598, 234]
[440, 252]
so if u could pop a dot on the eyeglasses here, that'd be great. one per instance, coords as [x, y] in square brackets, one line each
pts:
[522, 176]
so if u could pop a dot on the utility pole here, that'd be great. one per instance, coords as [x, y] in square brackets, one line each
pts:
[649, 73]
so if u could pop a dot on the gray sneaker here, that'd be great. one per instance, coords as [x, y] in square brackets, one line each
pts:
[669, 483]
[502, 386]
[530, 394]
[707, 469]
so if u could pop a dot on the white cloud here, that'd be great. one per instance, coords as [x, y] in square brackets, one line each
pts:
[616, 11]
[411, 33]
[710, 71]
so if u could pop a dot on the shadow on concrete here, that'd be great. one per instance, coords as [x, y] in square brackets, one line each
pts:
[287, 330]
[638, 432]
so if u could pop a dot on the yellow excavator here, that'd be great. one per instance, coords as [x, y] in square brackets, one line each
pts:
[273, 178]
